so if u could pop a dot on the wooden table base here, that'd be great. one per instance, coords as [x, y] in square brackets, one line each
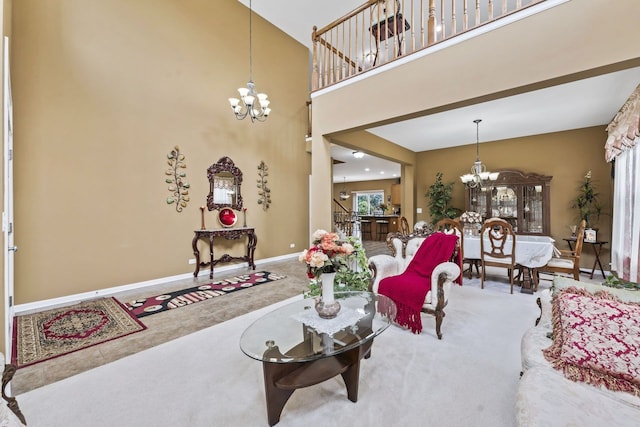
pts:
[282, 379]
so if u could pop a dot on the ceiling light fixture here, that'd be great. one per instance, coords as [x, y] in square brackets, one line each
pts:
[343, 194]
[479, 174]
[255, 105]
[358, 154]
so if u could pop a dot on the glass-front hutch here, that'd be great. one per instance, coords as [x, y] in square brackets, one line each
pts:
[521, 199]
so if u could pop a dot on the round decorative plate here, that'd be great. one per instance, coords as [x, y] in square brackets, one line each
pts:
[227, 217]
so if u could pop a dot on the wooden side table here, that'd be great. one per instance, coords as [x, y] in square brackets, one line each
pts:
[597, 248]
[229, 234]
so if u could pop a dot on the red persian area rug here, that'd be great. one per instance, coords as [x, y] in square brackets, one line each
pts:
[48, 334]
[183, 297]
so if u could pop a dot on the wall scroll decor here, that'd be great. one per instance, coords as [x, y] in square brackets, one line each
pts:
[264, 193]
[175, 178]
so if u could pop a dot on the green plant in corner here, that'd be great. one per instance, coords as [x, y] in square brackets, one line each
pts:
[587, 203]
[439, 196]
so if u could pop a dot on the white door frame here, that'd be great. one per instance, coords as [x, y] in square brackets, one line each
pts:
[7, 213]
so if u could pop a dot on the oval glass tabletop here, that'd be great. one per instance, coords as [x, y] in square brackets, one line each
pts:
[296, 333]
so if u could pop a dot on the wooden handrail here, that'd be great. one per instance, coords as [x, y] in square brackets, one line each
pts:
[341, 207]
[380, 31]
[345, 18]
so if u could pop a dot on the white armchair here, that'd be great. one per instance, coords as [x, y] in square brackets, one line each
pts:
[403, 249]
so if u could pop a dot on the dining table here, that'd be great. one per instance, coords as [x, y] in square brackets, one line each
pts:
[532, 252]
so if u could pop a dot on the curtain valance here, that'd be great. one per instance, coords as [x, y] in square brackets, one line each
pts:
[624, 129]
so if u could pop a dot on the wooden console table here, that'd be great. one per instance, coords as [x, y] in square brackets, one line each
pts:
[597, 247]
[229, 234]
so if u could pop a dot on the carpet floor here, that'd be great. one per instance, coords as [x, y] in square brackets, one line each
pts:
[468, 378]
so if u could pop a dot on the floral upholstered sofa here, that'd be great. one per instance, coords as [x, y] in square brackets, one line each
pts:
[403, 248]
[592, 338]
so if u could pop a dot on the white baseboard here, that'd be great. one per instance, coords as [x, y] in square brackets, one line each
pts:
[75, 298]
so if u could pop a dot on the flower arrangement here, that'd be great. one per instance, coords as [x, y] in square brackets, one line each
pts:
[471, 218]
[325, 254]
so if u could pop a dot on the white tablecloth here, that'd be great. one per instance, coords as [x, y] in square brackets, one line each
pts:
[531, 251]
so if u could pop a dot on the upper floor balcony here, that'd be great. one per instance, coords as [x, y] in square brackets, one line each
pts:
[382, 31]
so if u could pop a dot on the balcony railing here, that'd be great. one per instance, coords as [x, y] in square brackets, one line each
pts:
[381, 31]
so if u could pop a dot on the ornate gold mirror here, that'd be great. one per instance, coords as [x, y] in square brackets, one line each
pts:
[224, 185]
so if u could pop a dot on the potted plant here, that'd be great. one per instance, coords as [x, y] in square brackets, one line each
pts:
[439, 196]
[587, 203]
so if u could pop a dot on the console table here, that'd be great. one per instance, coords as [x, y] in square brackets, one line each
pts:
[229, 234]
[597, 247]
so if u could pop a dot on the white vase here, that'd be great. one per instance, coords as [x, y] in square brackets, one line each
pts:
[326, 306]
[328, 280]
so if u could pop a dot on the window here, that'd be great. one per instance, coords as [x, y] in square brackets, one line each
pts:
[367, 202]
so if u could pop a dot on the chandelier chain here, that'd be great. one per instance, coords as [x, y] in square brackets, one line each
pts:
[251, 103]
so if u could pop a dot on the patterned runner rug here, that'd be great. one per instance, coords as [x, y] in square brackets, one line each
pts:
[48, 334]
[183, 297]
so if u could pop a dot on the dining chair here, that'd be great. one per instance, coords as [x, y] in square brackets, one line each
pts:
[404, 226]
[497, 247]
[452, 226]
[567, 262]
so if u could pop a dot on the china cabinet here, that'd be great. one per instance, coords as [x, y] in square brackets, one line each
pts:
[519, 198]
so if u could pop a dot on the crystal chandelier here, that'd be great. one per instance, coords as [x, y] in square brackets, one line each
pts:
[255, 105]
[479, 174]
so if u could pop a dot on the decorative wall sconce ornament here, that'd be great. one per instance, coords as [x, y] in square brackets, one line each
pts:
[175, 178]
[264, 193]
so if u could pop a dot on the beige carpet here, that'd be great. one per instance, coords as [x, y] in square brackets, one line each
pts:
[203, 379]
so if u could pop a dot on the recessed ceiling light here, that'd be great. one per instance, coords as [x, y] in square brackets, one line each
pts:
[358, 154]
[367, 169]
[381, 172]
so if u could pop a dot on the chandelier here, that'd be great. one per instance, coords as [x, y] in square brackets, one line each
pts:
[343, 194]
[255, 105]
[479, 174]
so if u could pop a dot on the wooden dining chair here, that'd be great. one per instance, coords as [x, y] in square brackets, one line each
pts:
[568, 262]
[404, 226]
[452, 226]
[498, 247]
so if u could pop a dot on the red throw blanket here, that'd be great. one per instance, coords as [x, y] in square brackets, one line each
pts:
[409, 289]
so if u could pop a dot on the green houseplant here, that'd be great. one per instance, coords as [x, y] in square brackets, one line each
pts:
[587, 203]
[439, 195]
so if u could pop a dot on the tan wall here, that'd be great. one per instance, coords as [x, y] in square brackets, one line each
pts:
[102, 92]
[567, 156]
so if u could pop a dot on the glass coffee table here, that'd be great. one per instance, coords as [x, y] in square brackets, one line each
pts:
[298, 349]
